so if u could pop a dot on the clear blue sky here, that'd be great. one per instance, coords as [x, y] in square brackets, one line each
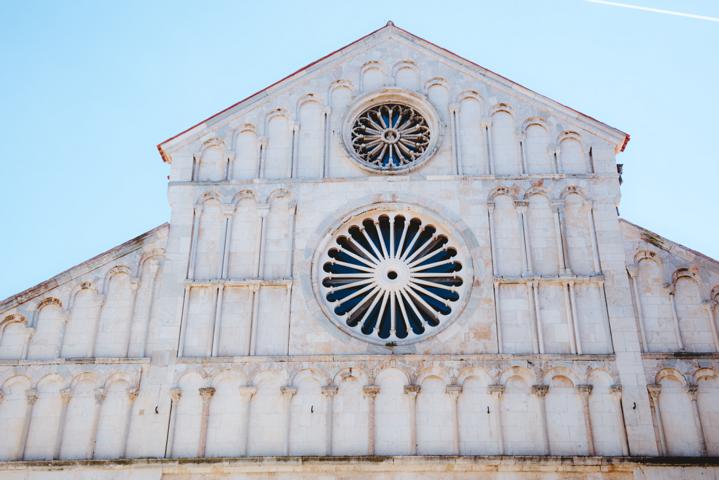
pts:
[88, 88]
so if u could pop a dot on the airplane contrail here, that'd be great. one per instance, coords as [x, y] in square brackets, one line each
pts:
[654, 10]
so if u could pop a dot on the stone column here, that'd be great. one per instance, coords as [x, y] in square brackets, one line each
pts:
[217, 322]
[100, 395]
[540, 391]
[593, 234]
[675, 316]
[206, 394]
[175, 396]
[31, 396]
[329, 392]
[563, 236]
[132, 394]
[229, 212]
[537, 316]
[454, 129]
[412, 391]
[454, 390]
[633, 272]
[570, 317]
[197, 213]
[252, 341]
[693, 391]
[288, 392]
[262, 210]
[247, 392]
[65, 396]
[497, 391]
[575, 318]
[371, 391]
[654, 390]
[709, 305]
[584, 392]
[524, 228]
[616, 392]
[561, 258]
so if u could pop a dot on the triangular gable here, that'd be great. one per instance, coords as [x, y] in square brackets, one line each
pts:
[621, 138]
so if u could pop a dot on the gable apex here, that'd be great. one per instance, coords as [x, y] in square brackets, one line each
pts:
[618, 137]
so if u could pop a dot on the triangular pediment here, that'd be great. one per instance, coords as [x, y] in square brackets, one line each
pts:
[390, 49]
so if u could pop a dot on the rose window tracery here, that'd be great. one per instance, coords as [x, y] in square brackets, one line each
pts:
[390, 136]
[392, 277]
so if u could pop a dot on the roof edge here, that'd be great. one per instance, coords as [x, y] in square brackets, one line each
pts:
[665, 239]
[390, 25]
[73, 272]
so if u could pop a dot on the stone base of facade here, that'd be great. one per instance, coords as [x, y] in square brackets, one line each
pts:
[380, 467]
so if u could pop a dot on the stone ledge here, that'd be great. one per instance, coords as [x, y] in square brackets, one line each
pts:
[421, 463]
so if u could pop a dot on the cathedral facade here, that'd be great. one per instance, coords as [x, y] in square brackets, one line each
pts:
[390, 264]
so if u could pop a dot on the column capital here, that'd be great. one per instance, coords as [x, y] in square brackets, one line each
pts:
[654, 390]
[693, 390]
[453, 390]
[132, 393]
[206, 392]
[540, 390]
[632, 270]
[496, 389]
[31, 395]
[370, 391]
[585, 389]
[288, 391]
[66, 395]
[330, 390]
[412, 389]
[616, 390]
[100, 395]
[2, 395]
[176, 393]
[248, 391]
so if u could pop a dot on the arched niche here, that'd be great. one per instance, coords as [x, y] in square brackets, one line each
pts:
[392, 414]
[310, 159]
[472, 138]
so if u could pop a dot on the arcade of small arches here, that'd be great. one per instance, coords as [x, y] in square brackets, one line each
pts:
[305, 142]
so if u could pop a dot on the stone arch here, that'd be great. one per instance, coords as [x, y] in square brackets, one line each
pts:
[268, 433]
[277, 158]
[542, 233]
[707, 382]
[392, 413]
[14, 333]
[212, 161]
[520, 409]
[537, 148]
[49, 323]
[245, 236]
[209, 238]
[371, 76]
[435, 428]
[13, 410]
[113, 332]
[229, 407]
[350, 413]
[113, 416]
[655, 303]
[188, 415]
[406, 74]
[695, 320]
[565, 413]
[245, 161]
[85, 304]
[477, 412]
[474, 158]
[45, 421]
[311, 119]
[505, 144]
[572, 153]
[578, 227]
[309, 408]
[681, 435]
[605, 414]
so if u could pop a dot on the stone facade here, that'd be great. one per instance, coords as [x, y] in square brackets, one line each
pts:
[562, 341]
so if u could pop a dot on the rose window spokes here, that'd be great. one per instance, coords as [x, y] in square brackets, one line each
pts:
[390, 136]
[391, 277]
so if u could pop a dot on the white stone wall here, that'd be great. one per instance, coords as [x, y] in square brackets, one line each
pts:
[204, 338]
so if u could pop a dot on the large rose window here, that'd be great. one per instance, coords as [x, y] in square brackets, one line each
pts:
[392, 276]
